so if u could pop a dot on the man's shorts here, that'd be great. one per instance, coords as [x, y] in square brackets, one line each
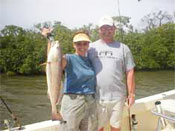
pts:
[110, 111]
[80, 112]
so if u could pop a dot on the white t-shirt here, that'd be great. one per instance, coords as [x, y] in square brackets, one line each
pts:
[110, 61]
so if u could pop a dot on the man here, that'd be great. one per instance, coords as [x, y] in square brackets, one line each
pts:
[112, 60]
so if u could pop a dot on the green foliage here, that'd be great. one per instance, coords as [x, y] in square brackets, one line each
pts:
[154, 49]
[22, 51]
[64, 35]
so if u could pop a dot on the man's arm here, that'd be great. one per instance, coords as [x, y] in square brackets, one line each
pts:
[131, 87]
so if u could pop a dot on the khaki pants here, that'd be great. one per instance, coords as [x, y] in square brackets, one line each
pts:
[110, 111]
[80, 113]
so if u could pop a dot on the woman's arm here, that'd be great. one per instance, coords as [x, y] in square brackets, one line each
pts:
[64, 62]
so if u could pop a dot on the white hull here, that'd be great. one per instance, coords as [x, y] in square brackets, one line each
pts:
[142, 109]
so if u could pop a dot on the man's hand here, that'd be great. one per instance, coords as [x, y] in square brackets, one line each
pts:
[131, 100]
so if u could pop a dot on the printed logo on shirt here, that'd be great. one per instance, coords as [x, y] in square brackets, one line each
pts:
[106, 54]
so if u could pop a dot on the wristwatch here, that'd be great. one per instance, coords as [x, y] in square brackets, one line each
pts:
[133, 95]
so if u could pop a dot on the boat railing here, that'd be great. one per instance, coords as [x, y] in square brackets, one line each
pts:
[169, 118]
[163, 118]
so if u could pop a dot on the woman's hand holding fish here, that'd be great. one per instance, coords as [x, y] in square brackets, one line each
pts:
[46, 31]
[57, 116]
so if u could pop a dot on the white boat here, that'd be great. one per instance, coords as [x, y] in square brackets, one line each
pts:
[147, 116]
[147, 121]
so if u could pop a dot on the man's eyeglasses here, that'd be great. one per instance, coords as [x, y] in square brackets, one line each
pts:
[106, 27]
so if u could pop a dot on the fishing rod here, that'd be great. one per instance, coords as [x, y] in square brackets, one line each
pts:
[131, 118]
[128, 108]
[124, 66]
[12, 114]
[120, 20]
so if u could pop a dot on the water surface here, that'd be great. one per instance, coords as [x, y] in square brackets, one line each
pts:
[26, 96]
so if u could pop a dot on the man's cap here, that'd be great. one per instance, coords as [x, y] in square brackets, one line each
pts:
[81, 37]
[106, 20]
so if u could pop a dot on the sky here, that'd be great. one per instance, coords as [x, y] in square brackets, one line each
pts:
[76, 13]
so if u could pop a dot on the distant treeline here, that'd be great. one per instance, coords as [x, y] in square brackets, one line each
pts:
[23, 51]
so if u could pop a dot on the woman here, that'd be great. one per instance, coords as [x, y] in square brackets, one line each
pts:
[78, 107]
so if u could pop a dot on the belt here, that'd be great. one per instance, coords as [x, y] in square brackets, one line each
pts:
[75, 95]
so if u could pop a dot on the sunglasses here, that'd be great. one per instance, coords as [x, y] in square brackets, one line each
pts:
[82, 43]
